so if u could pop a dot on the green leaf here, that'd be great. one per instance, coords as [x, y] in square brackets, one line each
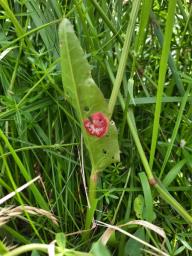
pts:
[133, 247]
[35, 253]
[188, 157]
[139, 206]
[172, 174]
[83, 94]
[99, 249]
[3, 248]
[61, 240]
[148, 212]
[130, 90]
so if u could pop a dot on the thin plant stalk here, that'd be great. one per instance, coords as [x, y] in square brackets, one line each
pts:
[92, 200]
[27, 248]
[124, 55]
[162, 73]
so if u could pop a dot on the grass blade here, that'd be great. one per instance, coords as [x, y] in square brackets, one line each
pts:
[162, 73]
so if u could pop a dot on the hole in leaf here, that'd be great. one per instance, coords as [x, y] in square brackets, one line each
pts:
[86, 108]
[104, 151]
[112, 122]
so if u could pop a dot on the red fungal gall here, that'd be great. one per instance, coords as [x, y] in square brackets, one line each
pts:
[97, 124]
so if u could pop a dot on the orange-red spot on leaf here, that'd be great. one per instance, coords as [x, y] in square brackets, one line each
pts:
[97, 124]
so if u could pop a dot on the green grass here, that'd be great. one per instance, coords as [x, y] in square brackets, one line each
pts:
[140, 55]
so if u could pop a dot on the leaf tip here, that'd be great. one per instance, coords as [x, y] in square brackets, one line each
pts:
[66, 26]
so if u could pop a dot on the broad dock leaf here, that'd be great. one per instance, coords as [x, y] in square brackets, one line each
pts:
[83, 94]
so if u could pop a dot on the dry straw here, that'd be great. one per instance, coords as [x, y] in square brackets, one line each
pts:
[7, 213]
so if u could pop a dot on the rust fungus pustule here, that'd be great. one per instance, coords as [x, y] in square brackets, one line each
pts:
[97, 124]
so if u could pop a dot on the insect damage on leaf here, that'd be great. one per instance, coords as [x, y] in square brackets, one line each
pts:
[97, 124]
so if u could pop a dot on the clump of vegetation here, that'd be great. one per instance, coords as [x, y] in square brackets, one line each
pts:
[95, 128]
